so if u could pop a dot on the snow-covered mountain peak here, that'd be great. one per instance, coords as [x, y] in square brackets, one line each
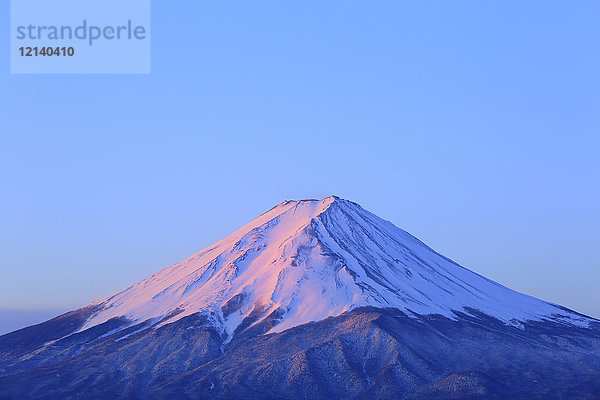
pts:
[306, 260]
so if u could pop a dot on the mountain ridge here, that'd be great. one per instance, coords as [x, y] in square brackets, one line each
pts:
[315, 299]
[310, 259]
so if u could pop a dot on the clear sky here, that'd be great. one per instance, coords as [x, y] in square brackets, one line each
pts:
[473, 125]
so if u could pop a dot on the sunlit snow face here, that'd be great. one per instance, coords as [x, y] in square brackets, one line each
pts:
[307, 260]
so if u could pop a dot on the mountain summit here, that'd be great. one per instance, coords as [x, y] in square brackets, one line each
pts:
[314, 299]
[307, 260]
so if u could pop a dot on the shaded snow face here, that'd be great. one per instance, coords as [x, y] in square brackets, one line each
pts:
[307, 260]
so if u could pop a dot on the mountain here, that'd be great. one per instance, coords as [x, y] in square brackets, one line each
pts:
[312, 299]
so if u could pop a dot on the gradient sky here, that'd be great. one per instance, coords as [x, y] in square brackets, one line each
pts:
[473, 125]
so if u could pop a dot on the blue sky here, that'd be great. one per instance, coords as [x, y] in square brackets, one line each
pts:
[473, 125]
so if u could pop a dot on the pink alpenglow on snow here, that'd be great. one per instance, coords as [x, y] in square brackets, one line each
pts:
[307, 260]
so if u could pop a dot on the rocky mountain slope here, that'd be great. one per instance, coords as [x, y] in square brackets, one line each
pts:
[313, 299]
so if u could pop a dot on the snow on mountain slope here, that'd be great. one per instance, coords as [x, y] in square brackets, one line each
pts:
[307, 260]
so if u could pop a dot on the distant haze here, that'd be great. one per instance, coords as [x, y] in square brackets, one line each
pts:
[11, 320]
